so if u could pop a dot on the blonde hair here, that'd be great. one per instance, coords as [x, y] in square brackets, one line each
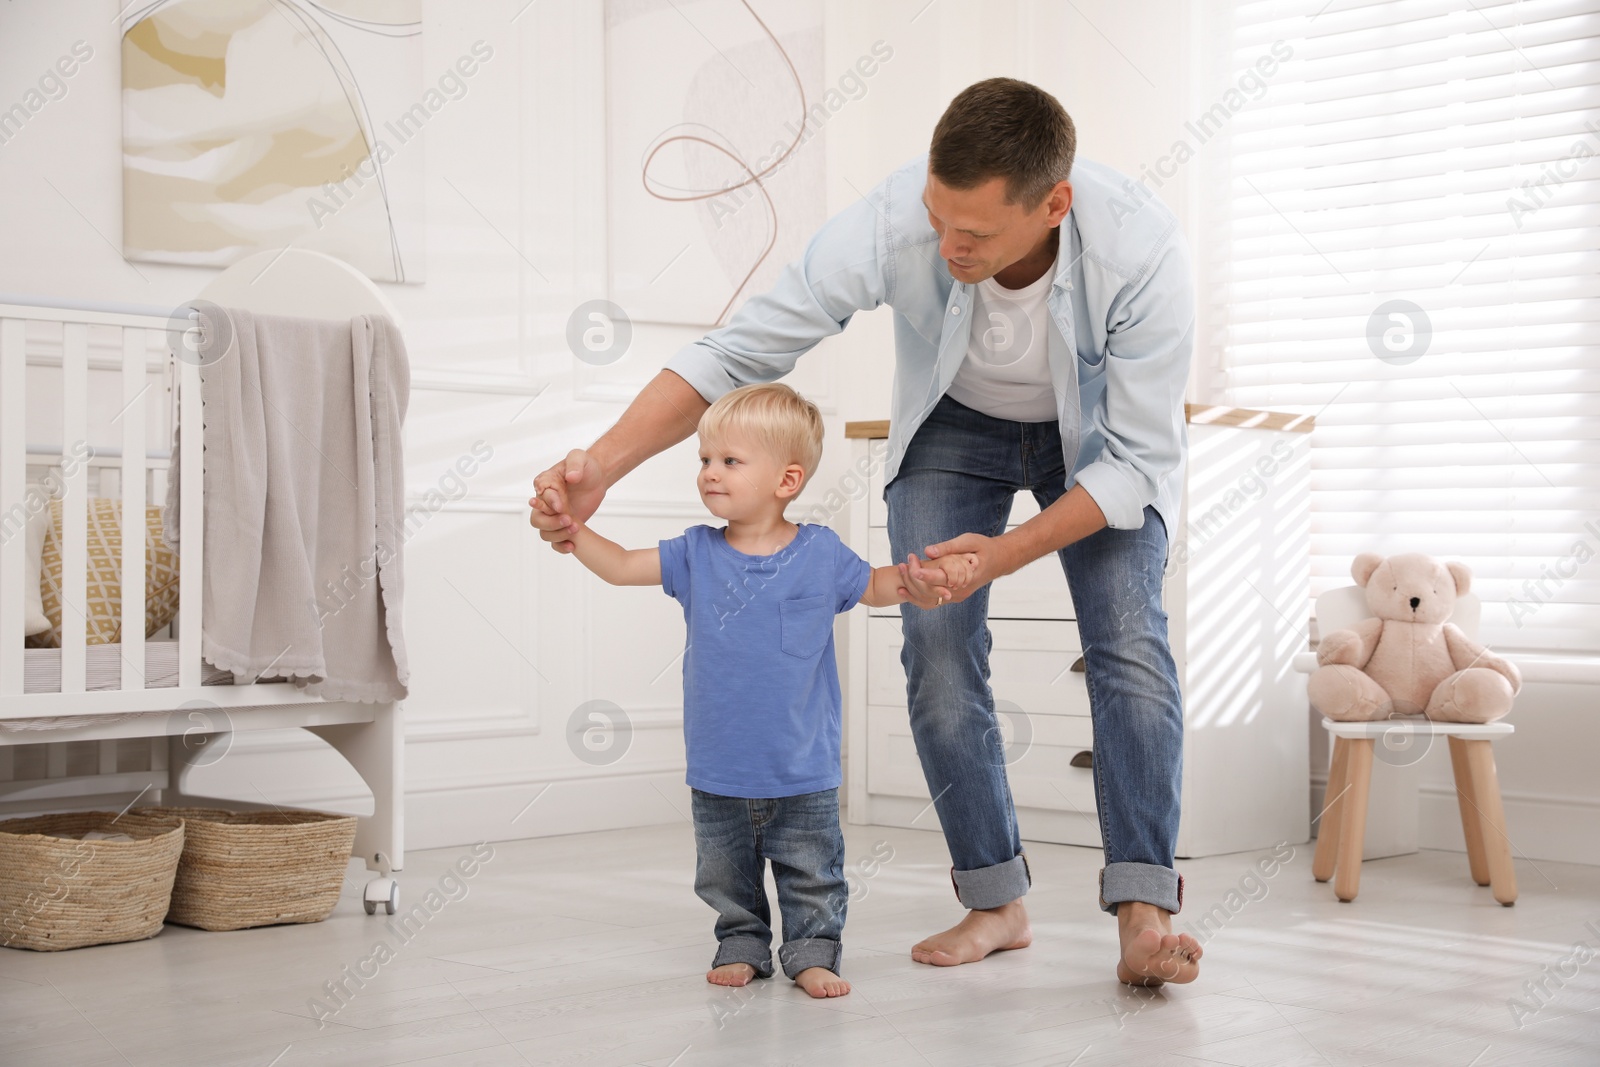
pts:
[773, 416]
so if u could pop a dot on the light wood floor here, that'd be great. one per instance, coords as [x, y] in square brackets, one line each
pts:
[590, 950]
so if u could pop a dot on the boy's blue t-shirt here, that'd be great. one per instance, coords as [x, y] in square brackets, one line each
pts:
[761, 705]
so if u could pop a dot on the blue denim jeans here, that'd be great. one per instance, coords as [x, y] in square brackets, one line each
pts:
[960, 472]
[734, 839]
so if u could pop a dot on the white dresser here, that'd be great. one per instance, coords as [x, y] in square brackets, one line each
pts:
[1238, 600]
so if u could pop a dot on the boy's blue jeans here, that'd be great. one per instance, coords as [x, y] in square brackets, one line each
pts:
[734, 838]
[958, 476]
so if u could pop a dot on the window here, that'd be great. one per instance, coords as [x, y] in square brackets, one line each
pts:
[1402, 237]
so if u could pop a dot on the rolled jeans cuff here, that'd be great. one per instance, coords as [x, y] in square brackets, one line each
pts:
[751, 950]
[992, 887]
[1147, 883]
[806, 952]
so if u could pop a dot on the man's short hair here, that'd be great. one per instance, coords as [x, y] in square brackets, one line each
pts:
[773, 416]
[1004, 128]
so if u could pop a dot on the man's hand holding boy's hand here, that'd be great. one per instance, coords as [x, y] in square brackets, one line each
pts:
[978, 559]
[565, 496]
[944, 579]
[936, 585]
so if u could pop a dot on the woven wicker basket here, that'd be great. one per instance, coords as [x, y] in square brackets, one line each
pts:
[57, 892]
[242, 869]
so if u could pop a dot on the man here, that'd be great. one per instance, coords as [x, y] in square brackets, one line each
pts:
[1069, 384]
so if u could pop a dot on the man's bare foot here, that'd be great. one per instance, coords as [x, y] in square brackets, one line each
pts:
[977, 935]
[1151, 953]
[821, 982]
[731, 974]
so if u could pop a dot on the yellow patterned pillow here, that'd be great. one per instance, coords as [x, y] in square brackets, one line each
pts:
[104, 573]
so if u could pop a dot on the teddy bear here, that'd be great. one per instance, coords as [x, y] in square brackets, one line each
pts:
[1410, 660]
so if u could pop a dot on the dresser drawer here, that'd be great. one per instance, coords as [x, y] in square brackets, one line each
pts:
[1040, 763]
[1039, 755]
[892, 765]
[1030, 666]
[1037, 591]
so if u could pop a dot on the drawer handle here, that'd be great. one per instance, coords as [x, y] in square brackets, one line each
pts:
[1078, 666]
[1084, 759]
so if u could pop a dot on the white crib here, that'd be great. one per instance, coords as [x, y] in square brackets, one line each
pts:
[66, 748]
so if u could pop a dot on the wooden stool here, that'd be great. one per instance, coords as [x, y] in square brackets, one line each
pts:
[1483, 817]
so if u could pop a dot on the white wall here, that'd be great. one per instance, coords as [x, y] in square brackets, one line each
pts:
[507, 638]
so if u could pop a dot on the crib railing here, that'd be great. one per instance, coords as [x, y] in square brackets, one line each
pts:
[131, 742]
[21, 346]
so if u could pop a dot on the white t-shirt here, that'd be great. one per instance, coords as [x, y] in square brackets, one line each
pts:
[1007, 370]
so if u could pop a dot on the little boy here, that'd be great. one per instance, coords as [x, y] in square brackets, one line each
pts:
[761, 704]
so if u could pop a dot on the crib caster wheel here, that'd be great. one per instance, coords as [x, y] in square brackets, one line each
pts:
[385, 891]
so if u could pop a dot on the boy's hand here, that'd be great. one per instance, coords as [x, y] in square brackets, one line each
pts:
[958, 568]
[944, 579]
[939, 584]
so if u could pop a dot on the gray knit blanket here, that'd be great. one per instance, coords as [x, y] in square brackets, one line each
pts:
[304, 505]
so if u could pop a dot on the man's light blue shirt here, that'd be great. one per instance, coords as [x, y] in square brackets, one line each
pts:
[1122, 304]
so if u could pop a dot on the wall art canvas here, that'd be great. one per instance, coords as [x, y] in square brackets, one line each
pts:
[715, 114]
[259, 124]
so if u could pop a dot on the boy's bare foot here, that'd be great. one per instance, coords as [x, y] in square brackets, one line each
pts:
[1152, 954]
[732, 974]
[821, 982]
[977, 935]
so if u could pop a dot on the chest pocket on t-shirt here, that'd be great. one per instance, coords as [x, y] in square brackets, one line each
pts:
[805, 624]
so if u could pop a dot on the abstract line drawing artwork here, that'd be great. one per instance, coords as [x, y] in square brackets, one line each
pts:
[264, 124]
[715, 166]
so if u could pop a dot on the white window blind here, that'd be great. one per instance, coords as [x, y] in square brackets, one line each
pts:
[1441, 156]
